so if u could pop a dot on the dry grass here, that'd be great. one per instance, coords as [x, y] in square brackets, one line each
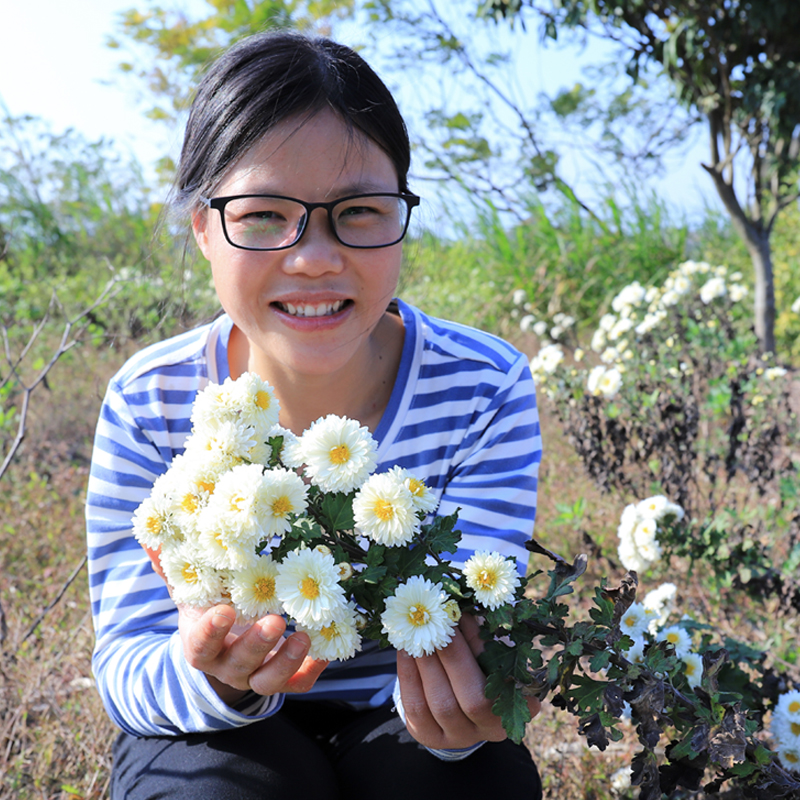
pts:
[55, 738]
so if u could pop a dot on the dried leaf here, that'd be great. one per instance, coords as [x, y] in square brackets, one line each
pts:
[727, 742]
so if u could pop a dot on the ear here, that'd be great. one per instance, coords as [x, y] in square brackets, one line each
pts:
[200, 229]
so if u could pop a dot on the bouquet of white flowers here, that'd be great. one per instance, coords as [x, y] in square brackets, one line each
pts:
[253, 516]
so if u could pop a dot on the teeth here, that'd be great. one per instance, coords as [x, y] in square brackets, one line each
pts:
[324, 310]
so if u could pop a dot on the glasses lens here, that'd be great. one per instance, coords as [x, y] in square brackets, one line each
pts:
[371, 220]
[263, 222]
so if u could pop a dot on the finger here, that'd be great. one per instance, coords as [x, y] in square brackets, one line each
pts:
[274, 675]
[420, 721]
[247, 653]
[306, 676]
[471, 630]
[204, 637]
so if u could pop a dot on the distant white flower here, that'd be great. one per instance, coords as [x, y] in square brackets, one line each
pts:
[650, 322]
[678, 638]
[337, 640]
[493, 578]
[635, 653]
[670, 298]
[712, 289]
[658, 508]
[693, 668]
[634, 621]
[566, 321]
[610, 355]
[631, 295]
[253, 589]
[784, 730]
[619, 328]
[737, 292]
[774, 372]
[638, 547]
[604, 382]
[308, 586]
[606, 322]
[338, 453]
[416, 619]
[384, 510]
[540, 327]
[795, 307]
[546, 361]
[526, 323]
[788, 705]
[661, 603]
[790, 757]
[599, 340]
[556, 331]
[621, 780]
[578, 354]
[519, 297]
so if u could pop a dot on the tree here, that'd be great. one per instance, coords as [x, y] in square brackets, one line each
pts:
[737, 64]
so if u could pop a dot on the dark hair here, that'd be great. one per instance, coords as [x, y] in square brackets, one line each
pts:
[267, 78]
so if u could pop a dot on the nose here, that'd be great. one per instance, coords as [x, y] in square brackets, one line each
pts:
[318, 252]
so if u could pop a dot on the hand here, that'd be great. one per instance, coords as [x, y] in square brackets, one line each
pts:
[443, 694]
[259, 659]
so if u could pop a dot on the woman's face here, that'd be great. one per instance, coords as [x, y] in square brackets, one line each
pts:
[313, 308]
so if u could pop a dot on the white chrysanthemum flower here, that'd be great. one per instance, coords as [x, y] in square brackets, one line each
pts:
[658, 508]
[261, 452]
[416, 620]
[255, 401]
[693, 668]
[638, 547]
[773, 373]
[556, 331]
[338, 453]
[737, 292]
[784, 730]
[194, 582]
[308, 586]
[540, 327]
[223, 549]
[599, 340]
[383, 510]
[492, 577]
[211, 406]
[790, 757]
[253, 590]
[610, 383]
[789, 705]
[635, 653]
[423, 497]
[670, 298]
[620, 328]
[630, 557]
[679, 638]
[526, 323]
[453, 610]
[193, 484]
[631, 295]
[154, 521]
[795, 307]
[578, 354]
[229, 439]
[621, 780]
[660, 602]
[519, 297]
[627, 521]
[337, 640]
[283, 497]
[593, 380]
[566, 321]
[610, 355]
[606, 323]
[712, 289]
[634, 621]
[546, 361]
[650, 322]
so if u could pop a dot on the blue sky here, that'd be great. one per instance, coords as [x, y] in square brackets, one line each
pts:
[54, 64]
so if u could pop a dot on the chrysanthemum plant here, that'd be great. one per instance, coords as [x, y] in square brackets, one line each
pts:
[268, 522]
[676, 397]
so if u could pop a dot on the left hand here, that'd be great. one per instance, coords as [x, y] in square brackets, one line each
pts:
[443, 694]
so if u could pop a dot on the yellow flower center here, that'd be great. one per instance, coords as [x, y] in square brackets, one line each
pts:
[689, 667]
[630, 621]
[487, 579]
[206, 486]
[416, 487]
[795, 726]
[418, 615]
[384, 510]
[264, 589]
[282, 507]
[673, 638]
[794, 706]
[189, 574]
[237, 503]
[329, 631]
[263, 400]
[309, 588]
[189, 503]
[791, 757]
[153, 525]
[340, 455]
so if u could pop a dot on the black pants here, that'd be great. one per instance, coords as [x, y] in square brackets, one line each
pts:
[349, 755]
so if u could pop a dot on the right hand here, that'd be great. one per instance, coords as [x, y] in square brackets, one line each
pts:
[259, 659]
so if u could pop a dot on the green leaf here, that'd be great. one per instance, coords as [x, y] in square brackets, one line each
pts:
[510, 705]
[440, 535]
[337, 511]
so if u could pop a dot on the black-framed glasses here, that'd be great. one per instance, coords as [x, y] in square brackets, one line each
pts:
[274, 222]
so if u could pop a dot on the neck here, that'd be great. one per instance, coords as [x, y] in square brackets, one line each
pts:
[360, 391]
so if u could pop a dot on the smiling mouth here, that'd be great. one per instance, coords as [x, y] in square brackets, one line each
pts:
[322, 310]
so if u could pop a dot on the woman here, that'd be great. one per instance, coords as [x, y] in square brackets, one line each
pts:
[294, 174]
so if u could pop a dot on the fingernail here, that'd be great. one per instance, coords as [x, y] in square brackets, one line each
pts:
[295, 648]
[220, 621]
[269, 633]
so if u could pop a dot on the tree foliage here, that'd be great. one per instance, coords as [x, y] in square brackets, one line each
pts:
[737, 64]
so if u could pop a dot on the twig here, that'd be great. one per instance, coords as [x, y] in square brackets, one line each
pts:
[53, 603]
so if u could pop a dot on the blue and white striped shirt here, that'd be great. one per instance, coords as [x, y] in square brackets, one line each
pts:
[462, 417]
